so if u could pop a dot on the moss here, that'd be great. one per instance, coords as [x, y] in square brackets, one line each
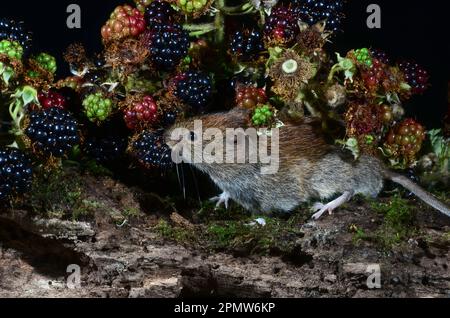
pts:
[398, 224]
[276, 237]
[175, 233]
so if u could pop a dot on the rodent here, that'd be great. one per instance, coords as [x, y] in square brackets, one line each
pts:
[309, 168]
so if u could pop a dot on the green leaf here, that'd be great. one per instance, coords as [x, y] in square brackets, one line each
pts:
[29, 95]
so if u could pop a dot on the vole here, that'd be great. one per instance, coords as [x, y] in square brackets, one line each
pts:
[309, 169]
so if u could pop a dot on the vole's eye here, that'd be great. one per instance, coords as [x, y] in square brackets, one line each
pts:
[192, 136]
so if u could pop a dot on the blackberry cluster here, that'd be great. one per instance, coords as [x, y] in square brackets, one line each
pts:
[15, 31]
[106, 149]
[150, 150]
[246, 44]
[416, 76]
[194, 88]
[16, 174]
[282, 26]
[169, 44]
[53, 131]
[314, 11]
[159, 12]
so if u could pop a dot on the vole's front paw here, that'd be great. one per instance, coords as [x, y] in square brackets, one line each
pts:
[224, 198]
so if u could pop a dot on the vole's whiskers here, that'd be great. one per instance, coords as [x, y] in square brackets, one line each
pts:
[194, 177]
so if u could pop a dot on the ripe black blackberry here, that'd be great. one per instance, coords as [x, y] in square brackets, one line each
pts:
[15, 31]
[314, 11]
[151, 151]
[159, 12]
[194, 88]
[416, 76]
[169, 118]
[16, 174]
[282, 26]
[53, 131]
[246, 44]
[106, 149]
[381, 56]
[169, 44]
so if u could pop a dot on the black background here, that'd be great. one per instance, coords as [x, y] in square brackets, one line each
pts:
[410, 29]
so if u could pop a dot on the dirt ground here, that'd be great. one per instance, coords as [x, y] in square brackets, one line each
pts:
[131, 243]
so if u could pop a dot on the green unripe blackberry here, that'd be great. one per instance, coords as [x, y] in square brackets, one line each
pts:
[47, 62]
[12, 49]
[364, 56]
[97, 107]
[193, 7]
[262, 116]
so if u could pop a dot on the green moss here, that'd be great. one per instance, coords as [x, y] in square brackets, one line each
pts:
[175, 233]
[398, 224]
[276, 237]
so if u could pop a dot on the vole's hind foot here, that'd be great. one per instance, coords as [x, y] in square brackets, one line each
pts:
[224, 198]
[320, 208]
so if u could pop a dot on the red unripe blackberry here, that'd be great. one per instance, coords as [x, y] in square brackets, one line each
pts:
[405, 139]
[141, 114]
[250, 97]
[124, 22]
[416, 76]
[374, 75]
[51, 99]
[282, 26]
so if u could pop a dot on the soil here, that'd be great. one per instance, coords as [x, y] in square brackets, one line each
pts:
[131, 243]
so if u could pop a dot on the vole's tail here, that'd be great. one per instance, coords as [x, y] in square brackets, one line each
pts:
[417, 190]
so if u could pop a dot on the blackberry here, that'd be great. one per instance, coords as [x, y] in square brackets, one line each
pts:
[52, 99]
[194, 88]
[250, 97]
[247, 44]
[47, 62]
[314, 11]
[106, 149]
[12, 49]
[169, 44]
[124, 22]
[405, 140]
[16, 174]
[151, 151]
[169, 118]
[381, 56]
[141, 113]
[193, 8]
[262, 116]
[52, 131]
[97, 107]
[282, 26]
[15, 31]
[159, 12]
[416, 76]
